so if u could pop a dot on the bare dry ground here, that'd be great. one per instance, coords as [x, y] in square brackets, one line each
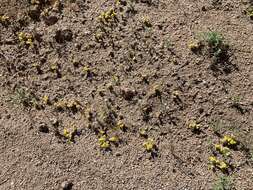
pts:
[126, 94]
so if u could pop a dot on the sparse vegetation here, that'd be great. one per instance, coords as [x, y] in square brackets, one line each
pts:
[229, 141]
[4, 19]
[24, 97]
[70, 133]
[216, 163]
[222, 150]
[223, 183]
[119, 91]
[249, 12]
[25, 38]
[216, 45]
[194, 126]
[149, 145]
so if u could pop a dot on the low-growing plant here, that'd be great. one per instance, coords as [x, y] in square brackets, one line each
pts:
[229, 141]
[114, 139]
[46, 100]
[249, 12]
[236, 99]
[149, 145]
[216, 163]
[99, 36]
[121, 125]
[108, 16]
[4, 19]
[167, 44]
[24, 97]
[194, 126]
[87, 72]
[72, 105]
[69, 134]
[143, 132]
[216, 44]
[155, 91]
[223, 183]
[35, 2]
[26, 38]
[236, 103]
[146, 22]
[217, 126]
[194, 46]
[104, 143]
[225, 151]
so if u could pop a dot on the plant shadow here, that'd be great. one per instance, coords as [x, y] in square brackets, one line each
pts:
[223, 64]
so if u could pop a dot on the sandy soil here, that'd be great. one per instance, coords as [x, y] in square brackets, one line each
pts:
[71, 80]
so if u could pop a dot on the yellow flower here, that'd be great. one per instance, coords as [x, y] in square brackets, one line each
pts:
[45, 99]
[193, 125]
[105, 145]
[222, 150]
[194, 46]
[66, 133]
[114, 139]
[149, 145]
[229, 140]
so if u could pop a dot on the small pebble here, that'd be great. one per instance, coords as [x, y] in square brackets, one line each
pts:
[66, 185]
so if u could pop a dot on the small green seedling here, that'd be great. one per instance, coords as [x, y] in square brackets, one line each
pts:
[223, 183]
[167, 44]
[122, 2]
[155, 91]
[115, 80]
[176, 95]
[213, 39]
[215, 42]
[37, 67]
[88, 72]
[236, 100]
[217, 126]
[25, 98]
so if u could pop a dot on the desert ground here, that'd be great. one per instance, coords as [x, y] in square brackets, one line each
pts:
[126, 95]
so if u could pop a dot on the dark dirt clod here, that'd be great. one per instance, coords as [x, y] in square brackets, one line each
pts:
[43, 128]
[62, 36]
[51, 20]
[127, 93]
